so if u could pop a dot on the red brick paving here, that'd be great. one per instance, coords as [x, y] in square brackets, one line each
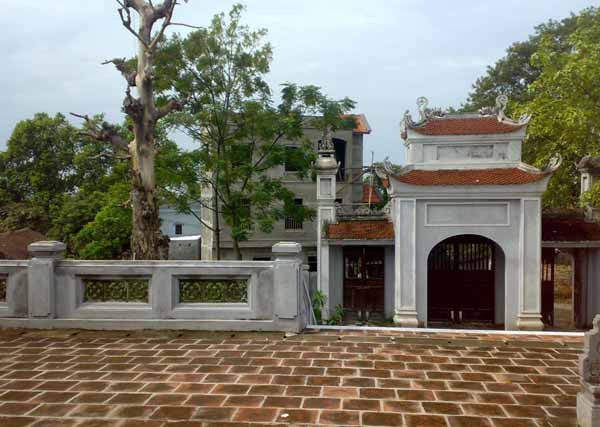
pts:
[159, 379]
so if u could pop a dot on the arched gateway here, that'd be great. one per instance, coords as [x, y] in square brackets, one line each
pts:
[461, 280]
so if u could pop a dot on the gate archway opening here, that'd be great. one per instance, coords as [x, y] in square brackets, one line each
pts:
[465, 281]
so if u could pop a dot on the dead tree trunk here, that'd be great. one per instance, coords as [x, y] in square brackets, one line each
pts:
[144, 114]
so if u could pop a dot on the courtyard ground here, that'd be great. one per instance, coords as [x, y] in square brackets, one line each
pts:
[147, 379]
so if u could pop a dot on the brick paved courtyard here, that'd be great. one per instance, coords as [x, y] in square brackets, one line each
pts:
[147, 379]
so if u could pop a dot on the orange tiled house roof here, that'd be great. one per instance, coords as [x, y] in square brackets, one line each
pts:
[496, 176]
[375, 197]
[362, 125]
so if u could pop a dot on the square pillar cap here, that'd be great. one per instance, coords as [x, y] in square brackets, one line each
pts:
[46, 249]
[287, 248]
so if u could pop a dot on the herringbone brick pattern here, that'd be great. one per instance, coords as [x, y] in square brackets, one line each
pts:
[150, 379]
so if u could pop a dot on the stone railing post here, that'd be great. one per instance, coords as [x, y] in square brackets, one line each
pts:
[588, 399]
[287, 278]
[40, 277]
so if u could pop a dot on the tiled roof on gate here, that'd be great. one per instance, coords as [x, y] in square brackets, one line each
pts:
[465, 126]
[370, 190]
[362, 125]
[494, 176]
[361, 230]
[569, 227]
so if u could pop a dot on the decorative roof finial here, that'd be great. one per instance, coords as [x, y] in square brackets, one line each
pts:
[554, 163]
[499, 112]
[327, 139]
[326, 162]
[422, 103]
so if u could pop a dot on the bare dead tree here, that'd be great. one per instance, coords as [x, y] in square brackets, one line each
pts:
[144, 115]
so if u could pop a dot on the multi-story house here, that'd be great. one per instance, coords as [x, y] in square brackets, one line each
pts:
[349, 153]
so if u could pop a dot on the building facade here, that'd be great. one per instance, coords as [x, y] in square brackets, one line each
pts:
[348, 146]
[460, 240]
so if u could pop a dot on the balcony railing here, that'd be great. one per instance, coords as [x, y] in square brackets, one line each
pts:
[361, 210]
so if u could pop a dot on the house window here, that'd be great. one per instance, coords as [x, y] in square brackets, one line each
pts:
[291, 159]
[290, 222]
[178, 229]
[312, 263]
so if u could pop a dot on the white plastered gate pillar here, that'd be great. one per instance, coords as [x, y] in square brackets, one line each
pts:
[405, 283]
[530, 256]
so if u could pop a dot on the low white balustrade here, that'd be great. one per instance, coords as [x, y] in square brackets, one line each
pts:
[48, 291]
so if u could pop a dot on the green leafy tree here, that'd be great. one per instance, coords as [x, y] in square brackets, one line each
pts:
[512, 74]
[565, 105]
[220, 70]
[35, 170]
[108, 236]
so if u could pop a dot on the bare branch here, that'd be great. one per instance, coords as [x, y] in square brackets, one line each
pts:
[136, 4]
[165, 11]
[104, 132]
[132, 106]
[110, 155]
[169, 107]
[180, 24]
[121, 65]
[126, 21]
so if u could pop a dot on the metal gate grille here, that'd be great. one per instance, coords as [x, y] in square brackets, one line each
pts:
[461, 276]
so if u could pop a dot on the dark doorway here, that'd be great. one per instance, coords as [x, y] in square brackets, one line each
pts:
[339, 145]
[364, 278]
[548, 273]
[461, 280]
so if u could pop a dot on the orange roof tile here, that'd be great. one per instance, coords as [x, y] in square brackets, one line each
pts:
[497, 176]
[362, 125]
[370, 190]
[361, 229]
[465, 126]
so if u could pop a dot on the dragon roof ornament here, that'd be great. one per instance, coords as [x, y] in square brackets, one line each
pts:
[499, 112]
[425, 114]
[553, 164]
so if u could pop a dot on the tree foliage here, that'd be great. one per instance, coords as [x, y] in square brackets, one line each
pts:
[554, 76]
[56, 181]
[35, 170]
[565, 104]
[512, 74]
[243, 134]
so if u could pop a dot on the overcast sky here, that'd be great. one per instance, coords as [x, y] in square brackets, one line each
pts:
[381, 53]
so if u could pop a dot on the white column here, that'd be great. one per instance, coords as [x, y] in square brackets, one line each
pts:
[405, 283]
[530, 289]
[325, 215]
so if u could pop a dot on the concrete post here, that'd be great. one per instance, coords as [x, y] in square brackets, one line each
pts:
[40, 277]
[530, 290]
[287, 279]
[588, 400]
[405, 274]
